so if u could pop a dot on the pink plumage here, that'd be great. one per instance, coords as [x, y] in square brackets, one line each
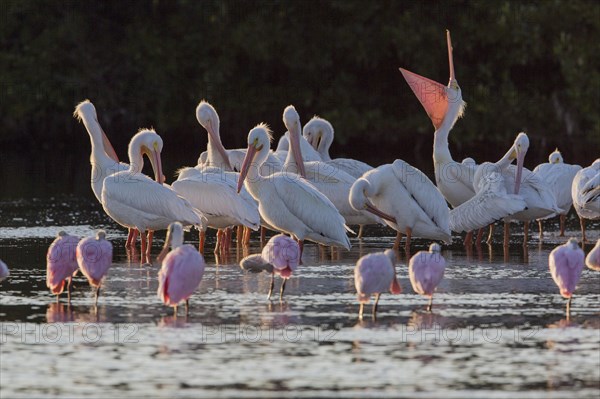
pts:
[94, 256]
[182, 269]
[592, 260]
[375, 274]
[566, 264]
[180, 275]
[426, 270]
[61, 263]
[283, 253]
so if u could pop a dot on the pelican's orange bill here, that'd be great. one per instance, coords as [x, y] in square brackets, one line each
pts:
[431, 94]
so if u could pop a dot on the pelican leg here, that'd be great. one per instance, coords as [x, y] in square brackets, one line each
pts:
[563, 219]
[228, 234]
[301, 245]
[129, 238]
[263, 233]
[360, 311]
[582, 223]
[271, 286]
[525, 233]
[569, 308]
[360, 232]
[375, 305]
[187, 307]
[397, 242]
[219, 239]
[239, 235]
[149, 245]
[430, 305]
[407, 243]
[479, 236]
[143, 258]
[282, 288]
[201, 242]
[247, 233]
[490, 234]
[468, 239]
[506, 233]
[541, 228]
[97, 295]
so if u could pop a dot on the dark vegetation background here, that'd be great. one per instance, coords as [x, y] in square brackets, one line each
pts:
[522, 65]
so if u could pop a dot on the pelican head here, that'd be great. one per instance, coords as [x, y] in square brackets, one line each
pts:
[443, 104]
[469, 162]
[83, 109]
[209, 119]
[520, 147]
[555, 157]
[291, 120]
[146, 142]
[319, 133]
[101, 235]
[360, 192]
[173, 240]
[259, 143]
[435, 248]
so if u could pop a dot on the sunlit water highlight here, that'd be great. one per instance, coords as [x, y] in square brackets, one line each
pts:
[498, 327]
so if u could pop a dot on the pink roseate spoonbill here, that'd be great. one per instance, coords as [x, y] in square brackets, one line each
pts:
[61, 263]
[406, 199]
[284, 254]
[375, 274]
[334, 183]
[289, 205]
[559, 176]
[181, 271]
[103, 158]
[566, 264]
[4, 272]
[135, 201]
[592, 260]
[94, 256]
[586, 194]
[426, 270]
[319, 134]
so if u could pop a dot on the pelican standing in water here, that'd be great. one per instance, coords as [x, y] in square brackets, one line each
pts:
[289, 204]
[334, 183]
[103, 157]
[585, 192]
[559, 176]
[444, 105]
[135, 201]
[406, 199]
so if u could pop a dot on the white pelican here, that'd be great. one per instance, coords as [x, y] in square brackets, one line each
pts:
[559, 176]
[135, 201]
[586, 194]
[216, 155]
[289, 204]
[539, 199]
[214, 193]
[309, 154]
[329, 180]
[406, 199]
[444, 105]
[319, 133]
[103, 158]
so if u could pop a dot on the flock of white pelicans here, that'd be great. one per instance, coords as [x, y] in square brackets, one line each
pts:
[299, 191]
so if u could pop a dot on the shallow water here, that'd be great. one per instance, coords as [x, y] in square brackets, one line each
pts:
[498, 326]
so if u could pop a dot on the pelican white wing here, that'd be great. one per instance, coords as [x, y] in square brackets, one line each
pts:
[491, 203]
